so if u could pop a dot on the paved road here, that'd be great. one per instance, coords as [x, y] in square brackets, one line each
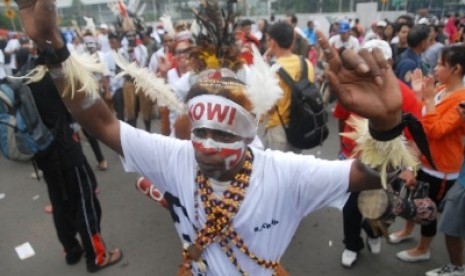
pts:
[144, 231]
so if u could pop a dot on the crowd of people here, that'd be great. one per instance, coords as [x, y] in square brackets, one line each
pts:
[218, 198]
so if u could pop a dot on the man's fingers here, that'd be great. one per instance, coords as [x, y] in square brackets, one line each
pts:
[336, 87]
[370, 60]
[331, 55]
[380, 58]
[353, 61]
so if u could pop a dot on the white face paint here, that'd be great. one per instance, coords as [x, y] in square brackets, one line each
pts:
[231, 152]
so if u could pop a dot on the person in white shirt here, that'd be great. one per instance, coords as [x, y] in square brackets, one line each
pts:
[102, 38]
[163, 56]
[133, 103]
[236, 209]
[344, 38]
[2, 67]
[11, 48]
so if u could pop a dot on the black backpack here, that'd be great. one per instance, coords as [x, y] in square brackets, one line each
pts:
[307, 126]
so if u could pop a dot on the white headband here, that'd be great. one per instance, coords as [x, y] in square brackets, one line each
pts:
[217, 112]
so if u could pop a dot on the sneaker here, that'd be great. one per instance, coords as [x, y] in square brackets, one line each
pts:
[447, 270]
[374, 245]
[348, 258]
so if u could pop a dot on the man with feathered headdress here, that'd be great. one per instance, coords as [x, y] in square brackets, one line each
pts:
[236, 208]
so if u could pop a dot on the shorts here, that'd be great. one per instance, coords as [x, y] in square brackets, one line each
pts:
[275, 139]
[452, 220]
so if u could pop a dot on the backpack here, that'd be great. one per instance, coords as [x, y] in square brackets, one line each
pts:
[307, 126]
[22, 132]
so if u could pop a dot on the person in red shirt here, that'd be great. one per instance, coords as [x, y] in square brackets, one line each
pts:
[353, 221]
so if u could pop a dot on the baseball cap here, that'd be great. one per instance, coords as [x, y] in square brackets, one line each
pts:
[344, 26]
[381, 23]
[104, 26]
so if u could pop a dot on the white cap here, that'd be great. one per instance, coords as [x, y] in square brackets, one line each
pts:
[381, 24]
[104, 26]
[381, 44]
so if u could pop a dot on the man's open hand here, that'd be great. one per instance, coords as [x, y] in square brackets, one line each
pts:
[364, 84]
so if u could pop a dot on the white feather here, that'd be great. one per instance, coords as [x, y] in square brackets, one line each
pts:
[168, 24]
[148, 83]
[79, 72]
[90, 25]
[263, 88]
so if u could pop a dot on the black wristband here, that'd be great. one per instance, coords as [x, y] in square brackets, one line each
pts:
[387, 135]
[50, 56]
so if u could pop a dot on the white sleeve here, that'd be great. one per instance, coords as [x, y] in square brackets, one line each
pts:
[155, 156]
[356, 47]
[312, 183]
[153, 64]
[2, 57]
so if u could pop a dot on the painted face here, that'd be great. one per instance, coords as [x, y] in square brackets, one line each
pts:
[219, 131]
[217, 152]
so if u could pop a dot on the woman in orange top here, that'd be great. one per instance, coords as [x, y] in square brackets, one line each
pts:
[445, 131]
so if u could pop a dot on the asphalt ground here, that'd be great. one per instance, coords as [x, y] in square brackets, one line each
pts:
[143, 230]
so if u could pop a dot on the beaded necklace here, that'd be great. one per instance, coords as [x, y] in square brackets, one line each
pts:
[218, 226]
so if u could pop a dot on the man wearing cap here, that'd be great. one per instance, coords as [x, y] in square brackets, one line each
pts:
[353, 221]
[237, 208]
[377, 31]
[343, 38]
[410, 59]
[102, 38]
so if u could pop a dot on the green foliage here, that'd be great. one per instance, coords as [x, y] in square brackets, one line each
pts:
[6, 23]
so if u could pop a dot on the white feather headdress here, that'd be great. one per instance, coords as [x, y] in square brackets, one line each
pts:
[90, 25]
[147, 83]
[263, 89]
[168, 24]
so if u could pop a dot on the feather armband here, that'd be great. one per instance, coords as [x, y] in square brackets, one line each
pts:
[379, 156]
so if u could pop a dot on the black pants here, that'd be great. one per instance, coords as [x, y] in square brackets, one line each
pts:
[118, 104]
[76, 209]
[353, 225]
[437, 190]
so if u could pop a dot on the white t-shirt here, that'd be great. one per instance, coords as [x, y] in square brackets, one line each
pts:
[104, 43]
[2, 66]
[352, 43]
[11, 47]
[153, 63]
[284, 188]
[180, 86]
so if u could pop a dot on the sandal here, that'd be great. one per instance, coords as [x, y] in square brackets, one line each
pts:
[112, 257]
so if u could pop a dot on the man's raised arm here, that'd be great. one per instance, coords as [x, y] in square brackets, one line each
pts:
[39, 19]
